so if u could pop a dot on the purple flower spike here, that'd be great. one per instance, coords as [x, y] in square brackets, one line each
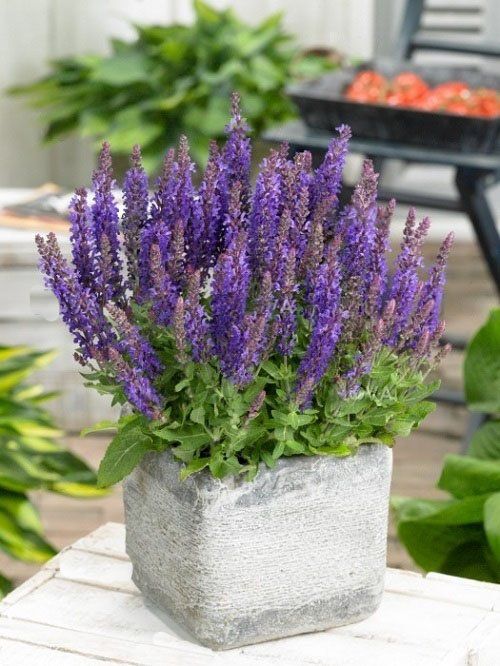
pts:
[135, 213]
[141, 354]
[328, 176]
[78, 306]
[196, 322]
[162, 293]
[237, 152]
[326, 328]
[405, 280]
[105, 217]
[138, 389]
[266, 210]
[230, 287]
[434, 287]
[212, 210]
[83, 240]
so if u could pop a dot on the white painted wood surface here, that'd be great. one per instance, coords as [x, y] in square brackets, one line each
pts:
[82, 609]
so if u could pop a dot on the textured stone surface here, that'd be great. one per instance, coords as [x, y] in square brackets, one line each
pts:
[301, 548]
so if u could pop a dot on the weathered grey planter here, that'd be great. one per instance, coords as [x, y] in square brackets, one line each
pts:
[301, 548]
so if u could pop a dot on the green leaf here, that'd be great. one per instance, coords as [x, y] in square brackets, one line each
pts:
[221, 467]
[193, 467]
[131, 126]
[485, 443]
[5, 586]
[190, 438]
[294, 447]
[122, 70]
[401, 427]
[99, 427]
[272, 369]
[463, 476]
[430, 542]
[20, 509]
[205, 13]
[492, 523]
[482, 367]
[441, 512]
[198, 415]
[21, 543]
[126, 450]
[269, 459]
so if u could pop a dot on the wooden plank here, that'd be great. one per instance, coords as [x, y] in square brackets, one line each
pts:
[109, 539]
[443, 588]
[98, 570]
[120, 651]
[432, 628]
[28, 587]
[334, 649]
[13, 653]
[435, 625]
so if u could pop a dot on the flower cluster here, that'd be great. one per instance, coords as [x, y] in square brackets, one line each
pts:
[235, 278]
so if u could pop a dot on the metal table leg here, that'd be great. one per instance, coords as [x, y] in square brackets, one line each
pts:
[472, 185]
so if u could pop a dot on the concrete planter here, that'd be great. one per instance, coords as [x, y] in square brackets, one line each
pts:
[301, 548]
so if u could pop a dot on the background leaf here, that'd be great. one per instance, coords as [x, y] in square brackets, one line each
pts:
[492, 523]
[463, 476]
[482, 367]
[485, 443]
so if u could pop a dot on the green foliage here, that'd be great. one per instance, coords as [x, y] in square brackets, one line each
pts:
[209, 422]
[174, 79]
[30, 458]
[482, 367]
[461, 536]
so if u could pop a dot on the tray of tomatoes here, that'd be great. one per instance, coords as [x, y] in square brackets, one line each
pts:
[451, 108]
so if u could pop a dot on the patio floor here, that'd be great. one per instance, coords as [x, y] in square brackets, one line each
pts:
[417, 459]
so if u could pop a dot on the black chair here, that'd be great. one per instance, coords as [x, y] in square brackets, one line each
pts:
[410, 40]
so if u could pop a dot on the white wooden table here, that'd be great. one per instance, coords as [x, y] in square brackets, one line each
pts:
[82, 609]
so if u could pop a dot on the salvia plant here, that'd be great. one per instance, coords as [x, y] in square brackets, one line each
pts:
[243, 324]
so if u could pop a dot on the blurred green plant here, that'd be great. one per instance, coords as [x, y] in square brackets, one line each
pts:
[174, 80]
[31, 459]
[461, 536]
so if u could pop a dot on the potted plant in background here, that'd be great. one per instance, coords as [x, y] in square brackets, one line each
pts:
[460, 535]
[269, 359]
[31, 459]
[176, 80]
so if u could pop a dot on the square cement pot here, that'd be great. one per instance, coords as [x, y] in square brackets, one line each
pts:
[301, 548]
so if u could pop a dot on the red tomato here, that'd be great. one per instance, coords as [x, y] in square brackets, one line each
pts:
[367, 87]
[410, 85]
[410, 90]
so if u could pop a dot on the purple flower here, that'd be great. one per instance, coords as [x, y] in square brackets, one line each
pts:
[326, 326]
[237, 153]
[266, 211]
[83, 240]
[405, 280]
[162, 293]
[212, 209]
[132, 343]
[139, 391]
[106, 230]
[196, 320]
[135, 212]
[434, 287]
[328, 176]
[221, 275]
[78, 305]
[230, 287]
